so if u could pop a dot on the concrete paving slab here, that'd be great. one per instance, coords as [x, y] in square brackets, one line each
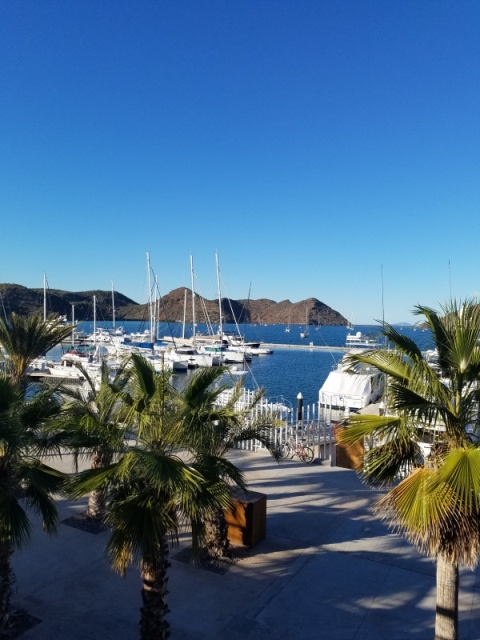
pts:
[328, 568]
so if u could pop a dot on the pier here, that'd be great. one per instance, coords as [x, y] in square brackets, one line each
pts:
[305, 347]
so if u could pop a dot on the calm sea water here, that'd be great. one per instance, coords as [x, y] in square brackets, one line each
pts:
[288, 370]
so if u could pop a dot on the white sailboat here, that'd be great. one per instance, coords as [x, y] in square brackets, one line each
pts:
[62, 318]
[287, 328]
[202, 358]
[304, 333]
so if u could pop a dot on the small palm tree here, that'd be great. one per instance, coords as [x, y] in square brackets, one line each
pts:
[148, 489]
[437, 505]
[211, 429]
[91, 428]
[25, 482]
[25, 338]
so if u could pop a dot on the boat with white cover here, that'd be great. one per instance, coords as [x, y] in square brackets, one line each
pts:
[353, 389]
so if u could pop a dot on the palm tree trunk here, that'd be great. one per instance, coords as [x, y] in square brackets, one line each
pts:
[96, 504]
[6, 579]
[217, 544]
[446, 619]
[153, 620]
[96, 499]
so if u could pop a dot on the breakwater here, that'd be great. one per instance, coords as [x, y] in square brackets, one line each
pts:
[308, 347]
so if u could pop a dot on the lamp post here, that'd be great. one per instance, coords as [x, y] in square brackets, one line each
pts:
[299, 408]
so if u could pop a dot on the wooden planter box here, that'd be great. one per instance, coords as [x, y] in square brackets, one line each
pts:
[247, 521]
[350, 457]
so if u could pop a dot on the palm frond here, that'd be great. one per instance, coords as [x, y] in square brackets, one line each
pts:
[427, 512]
[139, 528]
[143, 373]
[91, 480]
[416, 504]
[165, 472]
[15, 527]
[213, 467]
[200, 390]
[39, 483]
[460, 471]
[391, 363]
[392, 446]
[25, 338]
[361, 426]
[401, 342]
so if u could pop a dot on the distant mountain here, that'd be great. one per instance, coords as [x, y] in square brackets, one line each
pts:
[24, 301]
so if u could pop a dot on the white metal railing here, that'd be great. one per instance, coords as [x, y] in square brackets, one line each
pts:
[315, 428]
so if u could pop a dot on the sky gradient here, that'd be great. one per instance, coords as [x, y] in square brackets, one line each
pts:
[326, 149]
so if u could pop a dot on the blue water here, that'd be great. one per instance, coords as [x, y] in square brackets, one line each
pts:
[287, 371]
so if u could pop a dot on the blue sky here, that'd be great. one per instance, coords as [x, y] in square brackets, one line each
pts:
[327, 149]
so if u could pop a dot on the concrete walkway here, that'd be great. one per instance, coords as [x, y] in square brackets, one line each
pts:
[327, 569]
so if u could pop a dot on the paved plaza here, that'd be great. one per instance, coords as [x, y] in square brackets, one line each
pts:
[326, 569]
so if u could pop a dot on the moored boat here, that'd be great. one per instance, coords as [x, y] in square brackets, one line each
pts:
[359, 341]
[351, 389]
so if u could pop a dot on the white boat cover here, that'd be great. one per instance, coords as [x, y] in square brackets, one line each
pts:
[342, 389]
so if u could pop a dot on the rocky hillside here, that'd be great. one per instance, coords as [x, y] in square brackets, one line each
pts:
[24, 301]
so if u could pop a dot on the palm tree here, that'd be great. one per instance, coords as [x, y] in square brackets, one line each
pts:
[90, 426]
[211, 429]
[25, 338]
[148, 489]
[25, 412]
[25, 483]
[437, 505]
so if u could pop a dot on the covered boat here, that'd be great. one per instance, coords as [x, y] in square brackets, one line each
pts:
[356, 389]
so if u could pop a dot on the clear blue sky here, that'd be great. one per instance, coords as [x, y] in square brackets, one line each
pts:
[320, 147]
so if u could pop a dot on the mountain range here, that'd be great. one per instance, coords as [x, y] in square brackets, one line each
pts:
[172, 307]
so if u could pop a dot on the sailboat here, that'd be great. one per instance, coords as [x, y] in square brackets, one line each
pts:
[287, 328]
[239, 369]
[304, 333]
[62, 318]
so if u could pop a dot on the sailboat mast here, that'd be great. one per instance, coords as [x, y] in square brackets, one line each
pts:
[113, 306]
[73, 325]
[149, 296]
[193, 299]
[184, 313]
[95, 321]
[220, 319]
[44, 297]
[154, 311]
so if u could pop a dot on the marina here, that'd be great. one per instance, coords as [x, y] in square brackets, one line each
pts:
[293, 367]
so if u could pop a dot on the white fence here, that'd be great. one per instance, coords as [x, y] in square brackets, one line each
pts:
[314, 430]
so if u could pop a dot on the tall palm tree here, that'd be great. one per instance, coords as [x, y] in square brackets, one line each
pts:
[211, 429]
[25, 338]
[149, 488]
[437, 505]
[25, 482]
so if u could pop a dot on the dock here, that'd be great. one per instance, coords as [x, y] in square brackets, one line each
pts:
[305, 347]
